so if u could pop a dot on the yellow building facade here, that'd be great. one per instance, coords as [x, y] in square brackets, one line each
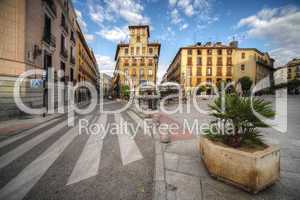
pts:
[137, 60]
[86, 65]
[293, 70]
[213, 63]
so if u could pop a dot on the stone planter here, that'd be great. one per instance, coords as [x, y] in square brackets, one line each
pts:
[251, 171]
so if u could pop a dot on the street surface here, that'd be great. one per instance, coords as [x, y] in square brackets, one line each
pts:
[52, 161]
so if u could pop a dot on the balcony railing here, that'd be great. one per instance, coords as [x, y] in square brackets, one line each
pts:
[64, 53]
[50, 39]
[51, 6]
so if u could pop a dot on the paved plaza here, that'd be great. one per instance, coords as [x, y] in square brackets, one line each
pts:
[180, 169]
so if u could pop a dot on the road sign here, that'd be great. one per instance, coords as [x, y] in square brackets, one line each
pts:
[36, 83]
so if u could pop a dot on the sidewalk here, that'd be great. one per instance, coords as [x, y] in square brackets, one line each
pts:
[180, 173]
[15, 126]
[18, 125]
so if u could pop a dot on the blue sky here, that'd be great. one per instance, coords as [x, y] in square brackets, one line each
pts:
[268, 25]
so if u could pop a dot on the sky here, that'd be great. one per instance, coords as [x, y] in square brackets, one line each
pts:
[271, 26]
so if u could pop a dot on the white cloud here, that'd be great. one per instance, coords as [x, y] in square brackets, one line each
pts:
[89, 37]
[129, 10]
[279, 25]
[115, 34]
[105, 63]
[201, 10]
[175, 17]
[81, 22]
[172, 2]
[184, 26]
[97, 13]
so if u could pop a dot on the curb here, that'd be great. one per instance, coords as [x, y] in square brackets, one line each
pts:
[159, 178]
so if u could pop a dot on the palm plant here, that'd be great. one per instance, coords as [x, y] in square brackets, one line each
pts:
[236, 124]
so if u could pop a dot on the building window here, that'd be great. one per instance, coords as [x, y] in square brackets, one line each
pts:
[150, 62]
[208, 80]
[133, 72]
[132, 51]
[134, 62]
[142, 62]
[198, 81]
[219, 51]
[150, 51]
[190, 52]
[189, 61]
[209, 71]
[150, 72]
[199, 71]
[199, 61]
[243, 55]
[71, 74]
[63, 69]
[138, 38]
[190, 72]
[209, 51]
[219, 62]
[243, 67]
[229, 51]
[209, 61]
[126, 63]
[219, 71]
[229, 61]
[47, 30]
[138, 51]
[199, 52]
[141, 72]
[126, 72]
[229, 71]
[126, 51]
[144, 50]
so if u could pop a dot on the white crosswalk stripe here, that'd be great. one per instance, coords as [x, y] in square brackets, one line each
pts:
[19, 186]
[140, 122]
[26, 133]
[88, 163]
[128, 148]
[27, 146]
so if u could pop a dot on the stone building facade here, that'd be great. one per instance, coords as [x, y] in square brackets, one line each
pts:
[35, 34]
[217, 62]
[137, 59]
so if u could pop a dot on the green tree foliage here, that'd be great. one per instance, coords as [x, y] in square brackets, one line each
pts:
[246, 84]
[125, 91]
[236, 124]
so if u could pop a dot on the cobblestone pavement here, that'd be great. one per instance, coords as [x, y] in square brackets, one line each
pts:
[180, 169]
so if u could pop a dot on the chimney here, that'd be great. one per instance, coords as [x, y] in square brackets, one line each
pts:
[208, 44]
[234, 44]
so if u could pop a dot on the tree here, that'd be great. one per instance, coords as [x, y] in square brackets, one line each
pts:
[236, 123]
[246, 84]
[125, 91]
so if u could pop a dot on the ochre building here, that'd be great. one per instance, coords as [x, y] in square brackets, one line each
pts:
[137, 59]
[212, 63]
